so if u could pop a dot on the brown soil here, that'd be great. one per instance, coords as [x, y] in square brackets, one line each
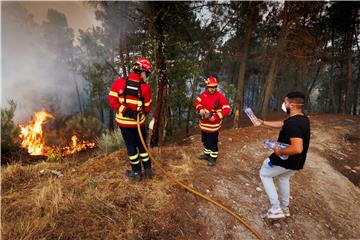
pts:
[93, 200]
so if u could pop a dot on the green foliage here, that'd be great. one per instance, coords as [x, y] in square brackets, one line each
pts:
[9, 131]
[229, 90]
[86, 127]
[110, 141]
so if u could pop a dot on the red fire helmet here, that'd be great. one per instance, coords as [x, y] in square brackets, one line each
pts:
[211, 82]
[143, 64]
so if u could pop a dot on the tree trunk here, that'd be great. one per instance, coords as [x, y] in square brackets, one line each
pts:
[270, 78]
[356, 94]
[348, 94]
[252, 14]
[311, 87]
[357, 83]
[269, 82]
[352, 16]
[77, 91]
[190, 106]
[160, 114]
[333, 105]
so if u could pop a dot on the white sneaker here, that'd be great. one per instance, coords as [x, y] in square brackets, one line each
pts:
[286, 212]
[275, 214]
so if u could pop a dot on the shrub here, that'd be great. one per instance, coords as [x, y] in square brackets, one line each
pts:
[9, 130]
[110, 141]
[86, 128]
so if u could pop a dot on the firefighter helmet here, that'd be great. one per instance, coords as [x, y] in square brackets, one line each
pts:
[211, 82]
[143, 64]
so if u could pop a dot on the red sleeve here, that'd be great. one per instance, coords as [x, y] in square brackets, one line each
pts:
[147, 98]
[114, 94]
[197, 104]
[225, 107]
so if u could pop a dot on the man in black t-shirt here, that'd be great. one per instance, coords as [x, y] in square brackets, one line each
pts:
[295, 131]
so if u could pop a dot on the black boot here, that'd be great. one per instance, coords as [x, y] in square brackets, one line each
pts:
[211, 161]
[134, 176]
[204, 157]
[148, 173]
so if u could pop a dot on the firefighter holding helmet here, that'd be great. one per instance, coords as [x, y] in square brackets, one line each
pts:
[212, 107]
[129, 97]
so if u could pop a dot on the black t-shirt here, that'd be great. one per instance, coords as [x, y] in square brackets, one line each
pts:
[297, 126]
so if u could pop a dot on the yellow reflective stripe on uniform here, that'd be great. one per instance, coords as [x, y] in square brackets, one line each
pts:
[121, 117]
[199, 99]
[114, 94]
[136, 102]
[134, 157]
[214, 155]
[207, 151]
[129, 120]
[199, 105]
[144, 154]
[148, 103]
[225, 106]
[121, 108]
[133, 162]
[133, 123]
[145, 159]
[220, 115]
[209, 129]
[210, 125]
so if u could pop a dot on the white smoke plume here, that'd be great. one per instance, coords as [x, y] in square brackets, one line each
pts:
[30, 73]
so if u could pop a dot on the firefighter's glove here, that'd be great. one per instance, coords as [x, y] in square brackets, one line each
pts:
[207, 115]
[130, 113]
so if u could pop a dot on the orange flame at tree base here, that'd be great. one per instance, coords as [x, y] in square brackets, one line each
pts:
[32, 138]
[32, 134]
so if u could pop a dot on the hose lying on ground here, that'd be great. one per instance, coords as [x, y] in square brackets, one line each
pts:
[178, 182]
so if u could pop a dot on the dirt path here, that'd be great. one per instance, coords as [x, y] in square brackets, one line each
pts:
[325, 204]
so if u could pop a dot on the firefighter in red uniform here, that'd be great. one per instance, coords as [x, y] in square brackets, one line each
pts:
[131, 96]
[212, 107]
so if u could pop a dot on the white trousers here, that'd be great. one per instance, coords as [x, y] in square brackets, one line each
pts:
[266, 174]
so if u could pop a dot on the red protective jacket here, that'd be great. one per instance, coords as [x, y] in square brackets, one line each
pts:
[207, 102]
[116, 101]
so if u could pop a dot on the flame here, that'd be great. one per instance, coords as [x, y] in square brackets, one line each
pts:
[32, 134]
[77, 146]
[33, 140]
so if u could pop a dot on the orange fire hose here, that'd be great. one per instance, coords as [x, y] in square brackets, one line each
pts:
[178, 182]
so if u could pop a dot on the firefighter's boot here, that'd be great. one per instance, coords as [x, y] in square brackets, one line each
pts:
[211, 161]
[204, 157]
[148, 173]
[133, 176]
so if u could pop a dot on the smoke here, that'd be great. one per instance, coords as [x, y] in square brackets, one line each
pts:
[32, 75]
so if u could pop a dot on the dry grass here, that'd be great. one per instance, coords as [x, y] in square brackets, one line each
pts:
[91, 201]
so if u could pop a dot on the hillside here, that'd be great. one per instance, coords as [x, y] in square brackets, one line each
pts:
[93, 200]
